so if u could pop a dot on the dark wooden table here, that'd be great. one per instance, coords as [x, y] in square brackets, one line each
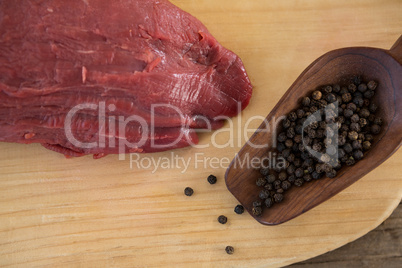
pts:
[381, 247]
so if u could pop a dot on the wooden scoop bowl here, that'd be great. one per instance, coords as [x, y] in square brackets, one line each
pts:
[338, 66]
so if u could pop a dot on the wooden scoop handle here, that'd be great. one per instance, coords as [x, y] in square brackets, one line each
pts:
[396, 50]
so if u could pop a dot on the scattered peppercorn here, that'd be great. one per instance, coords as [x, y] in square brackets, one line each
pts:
[229, 250]
[188, 191]
[212, 179]
[239, 209]
[222, 219]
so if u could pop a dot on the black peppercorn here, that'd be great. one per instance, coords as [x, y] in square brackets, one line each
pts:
[269, 202]
[366, 102]
[264, 194]
[372, 85]
[261, 182]
[364, 113]
[286, 123]
[336, 88]
[325, 158]
[257, 211]
[363, 122]
[280, 147]
[298, 182]
[317, 147]
[352, 135]
[188, 191]
[300, 113]
[357, 144]
[366, 145]
[292, 178]
[282, 137]
[327, 89]
[347, 113]
[369, 137]
[331, 98]
[356, 80]
[375, 129]
[289, 143]
[282, 176]
[362, 88]
[358, 94]
[351, 161]
[212, 179]
[297, 139]
[286, 185]
[291, 158]
[341, 153]
[257, 203]
[357, 155]
[319, 133]
[290, 133]
[271, 178]
[347, 97]
[378, 121]
[348, 148]
[278, 198]
[313, 109]
[277, 184]
[319, 168]
[311, 133]
[358, 101]
[229, 250]
[351, 106]
[222, 219]
[316, 176]
[307, 177]
[299, 172]
[373, 107]
[317, 95]
[239, 209]
[341, 140]
[306, 101]
[355, 127]
[352, 88]
[292, 116]
[263, 171]
[269, 186]
[299, 129]
[355, 118]
[369, 94]
[331, 174]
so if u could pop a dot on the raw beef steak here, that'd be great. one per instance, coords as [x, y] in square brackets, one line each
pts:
[102, 77]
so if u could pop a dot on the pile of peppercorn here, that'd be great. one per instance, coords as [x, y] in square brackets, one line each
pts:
[347, 132]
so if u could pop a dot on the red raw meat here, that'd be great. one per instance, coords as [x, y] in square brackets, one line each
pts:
[127, 55]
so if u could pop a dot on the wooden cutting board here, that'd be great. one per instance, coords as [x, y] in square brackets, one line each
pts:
[105, 213]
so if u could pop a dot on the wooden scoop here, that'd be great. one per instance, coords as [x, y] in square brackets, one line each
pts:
[335, 67]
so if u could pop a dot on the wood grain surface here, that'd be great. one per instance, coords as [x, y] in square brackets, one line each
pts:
[85, 213]
[382, 247]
